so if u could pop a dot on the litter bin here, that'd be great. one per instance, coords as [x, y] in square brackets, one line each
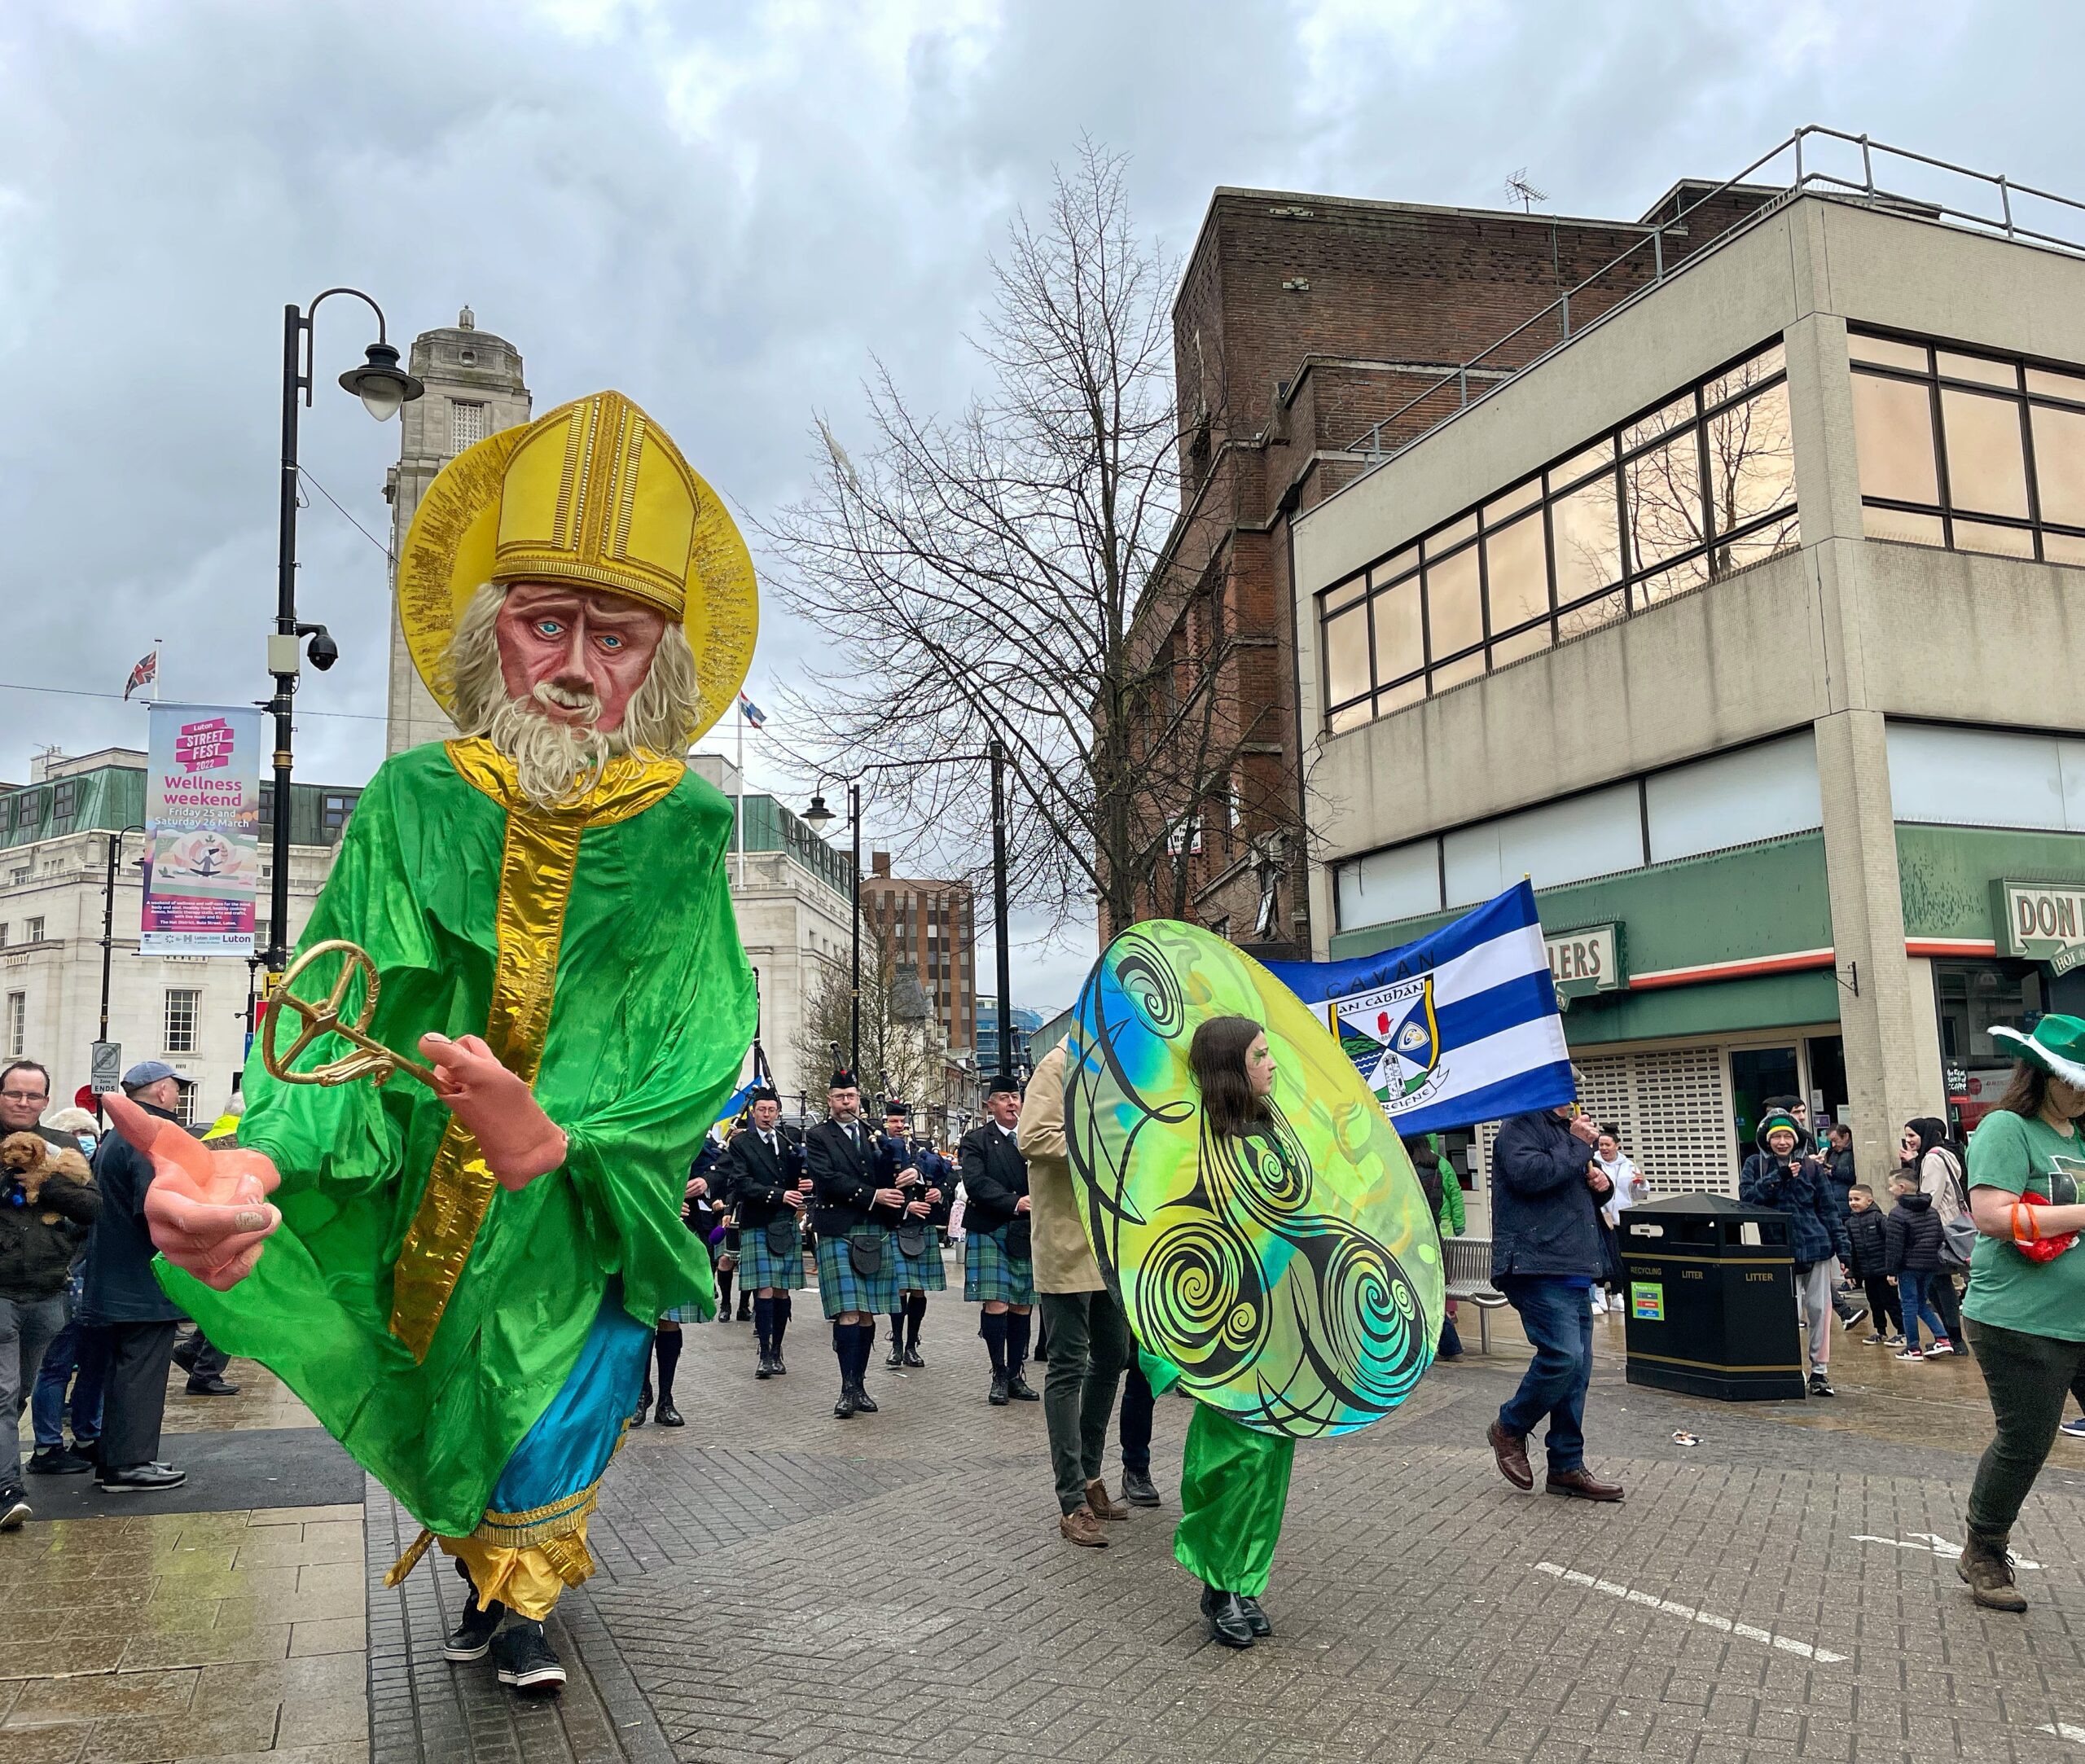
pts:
[1711, 1299]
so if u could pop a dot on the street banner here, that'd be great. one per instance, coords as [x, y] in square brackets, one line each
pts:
[1459, 1027]
[202, 830]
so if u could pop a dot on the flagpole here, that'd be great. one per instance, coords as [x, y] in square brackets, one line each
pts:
[739, 818]
[155, 668]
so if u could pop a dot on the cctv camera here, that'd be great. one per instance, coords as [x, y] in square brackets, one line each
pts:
[321, 649]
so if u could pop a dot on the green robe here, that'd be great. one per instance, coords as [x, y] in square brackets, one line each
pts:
[651, 1017]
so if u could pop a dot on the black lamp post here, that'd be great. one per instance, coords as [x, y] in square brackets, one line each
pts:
[383, 388]
[818, 817]
[115, 856]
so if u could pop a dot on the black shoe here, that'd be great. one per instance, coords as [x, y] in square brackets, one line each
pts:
[212, 1387]
[141, 1478]
[470, 1639]
[186, 1355]
[668, 1416]
[780, 1370]
[912, 1357]
[525, 1659]
[863, 1401]
[55, 1461]
[643, 1406]
[14, 1506]
[844, 1410]
[765, 1369]
[743, 1315]
[1227, 1622]
[1137, 1489]
[1256, 1619]
[1022, 1391]
[999, 1398]
[896, 1356]
[1821, 1386]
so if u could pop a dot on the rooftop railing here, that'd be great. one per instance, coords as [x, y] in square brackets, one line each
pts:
[1817, 160]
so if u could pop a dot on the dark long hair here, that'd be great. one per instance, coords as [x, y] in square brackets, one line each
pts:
[1217, 1057]
[2027, 1091]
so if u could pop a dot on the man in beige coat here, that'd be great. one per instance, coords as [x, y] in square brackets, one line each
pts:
[1089, 1336]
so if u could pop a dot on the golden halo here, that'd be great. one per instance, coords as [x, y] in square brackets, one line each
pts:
[449, 551]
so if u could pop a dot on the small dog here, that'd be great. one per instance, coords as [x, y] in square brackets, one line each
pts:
[32, 1160]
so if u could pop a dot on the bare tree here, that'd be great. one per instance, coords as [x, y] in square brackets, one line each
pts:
[900, 1056]
[979, 578]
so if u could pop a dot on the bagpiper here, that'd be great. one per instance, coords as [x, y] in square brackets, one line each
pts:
[770, 1187]
[928, 1181]
[997, 1270]
[853, 1214]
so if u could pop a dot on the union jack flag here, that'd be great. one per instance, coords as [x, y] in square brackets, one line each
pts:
[144, 675]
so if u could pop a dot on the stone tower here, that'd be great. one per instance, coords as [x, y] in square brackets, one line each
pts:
[474, 388]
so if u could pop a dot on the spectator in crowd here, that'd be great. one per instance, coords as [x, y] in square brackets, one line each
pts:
[1937, 1161]
[1444, 1198]
[47, 1205]
[1867, 1261]
[1546, 1196]
[138, 1319]
[1915, 1239]
[73, 1363]
[2026, 1315]
[1779, 1175]
[1626, 1188]
[1839, 1157]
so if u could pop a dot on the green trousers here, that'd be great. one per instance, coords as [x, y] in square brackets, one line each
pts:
[1234, 1489]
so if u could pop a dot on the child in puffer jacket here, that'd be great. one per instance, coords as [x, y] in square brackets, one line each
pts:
[1868, 1239]
[1914, 1239]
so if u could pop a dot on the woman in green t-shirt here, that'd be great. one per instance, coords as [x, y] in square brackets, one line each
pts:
[2025, 1319]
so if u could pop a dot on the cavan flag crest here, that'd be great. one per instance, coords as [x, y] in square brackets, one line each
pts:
[1459, 1027]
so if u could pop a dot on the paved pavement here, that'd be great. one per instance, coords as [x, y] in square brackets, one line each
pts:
[776, 1586]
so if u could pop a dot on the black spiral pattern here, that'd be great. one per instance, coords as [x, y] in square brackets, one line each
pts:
[1152, 988]
[1201, 1291]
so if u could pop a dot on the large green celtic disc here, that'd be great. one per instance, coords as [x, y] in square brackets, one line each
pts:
[1295, 1276]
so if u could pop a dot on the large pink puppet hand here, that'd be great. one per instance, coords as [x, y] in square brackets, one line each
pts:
[207, 1210]
[519, 1140]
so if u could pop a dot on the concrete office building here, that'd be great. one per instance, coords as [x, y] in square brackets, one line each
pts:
[1748, 622]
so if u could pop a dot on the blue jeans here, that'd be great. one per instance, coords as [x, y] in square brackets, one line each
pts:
[78, 1347]
[1914, 1294]
[1559, 1323]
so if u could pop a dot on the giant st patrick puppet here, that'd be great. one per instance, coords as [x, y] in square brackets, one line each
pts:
[1257, 1218]
[469, 1253]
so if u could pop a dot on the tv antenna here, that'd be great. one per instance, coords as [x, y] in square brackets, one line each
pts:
[1518, 187]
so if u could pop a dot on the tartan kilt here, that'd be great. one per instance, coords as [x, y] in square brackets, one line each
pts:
[841, 1290]
[927, 1274]
[760, 1267]
[682, 1313]
[990, 1275]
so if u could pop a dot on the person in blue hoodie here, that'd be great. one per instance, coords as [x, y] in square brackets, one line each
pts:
[1780, 1175]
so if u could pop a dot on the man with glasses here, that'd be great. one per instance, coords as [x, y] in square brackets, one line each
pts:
[39, 1239]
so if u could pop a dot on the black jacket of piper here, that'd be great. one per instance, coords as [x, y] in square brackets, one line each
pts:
[903, 1156]
[757, 1179]
[845, 1174]
[994, 1177]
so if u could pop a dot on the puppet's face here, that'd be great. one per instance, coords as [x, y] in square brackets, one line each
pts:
[578, 654]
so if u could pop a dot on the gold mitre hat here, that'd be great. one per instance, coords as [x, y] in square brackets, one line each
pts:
[594, 493]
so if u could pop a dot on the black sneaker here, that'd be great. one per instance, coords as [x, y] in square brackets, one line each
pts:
[141, 1479]
[55, 1461]
[14, 1506]
[472, 1638]
[525, 1659]
[1821, 1386]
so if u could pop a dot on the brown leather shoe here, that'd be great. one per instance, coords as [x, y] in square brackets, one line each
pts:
[1101, 1503]
[1582, 1485]
[1079, 1526]
[1511, 1450]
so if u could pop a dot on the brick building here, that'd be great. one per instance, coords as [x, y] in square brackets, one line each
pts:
[1307, 330]
[929, 925]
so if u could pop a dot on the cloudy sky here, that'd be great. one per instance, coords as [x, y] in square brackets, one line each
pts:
[723, 209]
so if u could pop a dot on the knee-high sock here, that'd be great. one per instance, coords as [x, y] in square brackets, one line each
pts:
[1017, 1326]
[865, 1347]
[763, 1323]
[843, 1350]
[993, 1329]
[916, 1314]
[778, 1321]
[723, 1290]
[897, 1325]
[667, 1345]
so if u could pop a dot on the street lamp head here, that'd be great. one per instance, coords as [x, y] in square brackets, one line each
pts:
[817, 817]
[381, 384]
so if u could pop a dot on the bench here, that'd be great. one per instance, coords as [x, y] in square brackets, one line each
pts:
[1467, 1263]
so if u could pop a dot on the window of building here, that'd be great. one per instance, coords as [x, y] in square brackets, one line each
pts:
[1702, 486]
[1971, 451]
[64, 804]
[183, 1007]
[34, 929]
[15, 1029]
[4, 934]
[333, 814]
[18, 875]
[467, 424]
[184, 1105]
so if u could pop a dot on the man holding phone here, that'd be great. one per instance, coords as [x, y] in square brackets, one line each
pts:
[1546, 1191]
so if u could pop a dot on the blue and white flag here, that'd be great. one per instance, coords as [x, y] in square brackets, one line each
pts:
[1459, 1027]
